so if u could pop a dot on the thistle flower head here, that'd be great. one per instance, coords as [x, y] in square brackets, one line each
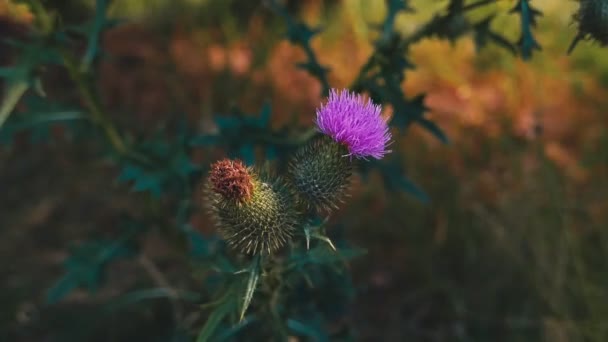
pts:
[231, 179]
[254, 212]
[351, 120]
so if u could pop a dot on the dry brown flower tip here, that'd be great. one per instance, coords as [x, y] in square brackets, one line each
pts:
[231, 179]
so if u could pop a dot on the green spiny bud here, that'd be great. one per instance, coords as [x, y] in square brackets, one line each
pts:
[255, 214]
[321, 172]
[592, 19]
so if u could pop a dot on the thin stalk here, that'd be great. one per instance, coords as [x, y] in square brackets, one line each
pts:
[97, 114]
[92, 104]
[160, 279]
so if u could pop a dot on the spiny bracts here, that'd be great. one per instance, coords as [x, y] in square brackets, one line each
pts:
[592, 20]
[254, 212]
[321, 173]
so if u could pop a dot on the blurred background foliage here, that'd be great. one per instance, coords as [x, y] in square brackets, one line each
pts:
[510, 246]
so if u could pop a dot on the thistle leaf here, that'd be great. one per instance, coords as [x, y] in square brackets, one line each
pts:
[213, 321]
[12, 95]
[235, 329]
[147, 294]
[37, 122]
[171, 165]
[300, 34]
[100, 22]
[252, 282]
[85, 266]
[315, 333]
[529, 16]
[434, 129]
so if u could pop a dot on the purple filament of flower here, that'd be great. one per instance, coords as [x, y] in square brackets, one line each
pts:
[351, 120]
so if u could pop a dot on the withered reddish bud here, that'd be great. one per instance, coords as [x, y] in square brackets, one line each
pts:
[231, 179]
[254, 211]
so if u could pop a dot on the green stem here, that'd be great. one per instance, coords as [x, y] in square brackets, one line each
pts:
[159, 278]
[318, 71]
[97, 115]
[423, 31]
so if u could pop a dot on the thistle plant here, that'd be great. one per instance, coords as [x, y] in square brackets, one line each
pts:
[592, 21]
[266, 222]
[257, 214]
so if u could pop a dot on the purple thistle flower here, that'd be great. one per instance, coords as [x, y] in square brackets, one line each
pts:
[351, 120]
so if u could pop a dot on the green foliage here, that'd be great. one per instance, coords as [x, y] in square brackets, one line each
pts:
[239, 134]
[136, 296]
[40, 117]
[86, 265]
[22, 76]
[529, 16]
[224, 308]
[300, 34]
[87, 262]
[166, 167]
[99, 24]
[395, 178]
[252, 282]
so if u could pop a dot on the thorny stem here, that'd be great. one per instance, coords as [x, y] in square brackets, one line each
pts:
[421, 32]
[320, 74]
[275, 284]
[97, 115]
[312, 60]
[96, 112]
[159, 278]
[389, 23]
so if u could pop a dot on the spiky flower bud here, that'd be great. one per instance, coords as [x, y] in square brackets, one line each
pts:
[254, 213]
[321, 173]
[351, 126]
[592, 20]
